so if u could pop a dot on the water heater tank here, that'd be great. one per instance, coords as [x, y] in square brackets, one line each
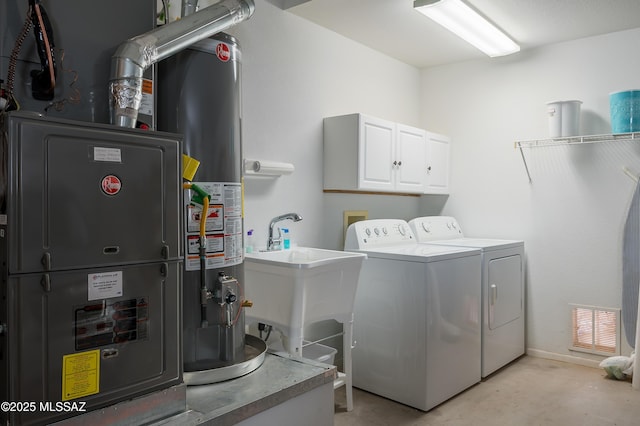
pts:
[199, 97]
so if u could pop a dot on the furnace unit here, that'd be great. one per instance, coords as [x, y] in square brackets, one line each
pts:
[91, 259]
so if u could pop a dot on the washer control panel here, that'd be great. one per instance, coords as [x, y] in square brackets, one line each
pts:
[378, 233]
[431, 228]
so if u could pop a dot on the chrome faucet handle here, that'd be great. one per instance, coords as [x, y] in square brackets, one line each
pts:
[274, 244]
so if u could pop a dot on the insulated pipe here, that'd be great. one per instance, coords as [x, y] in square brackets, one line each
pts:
[137, 54]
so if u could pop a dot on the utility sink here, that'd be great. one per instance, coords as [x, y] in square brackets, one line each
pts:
[292, 288]
[304, 257]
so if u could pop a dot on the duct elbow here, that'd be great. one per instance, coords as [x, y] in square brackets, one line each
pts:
[128, 64]
[125, 93]
[137, 54]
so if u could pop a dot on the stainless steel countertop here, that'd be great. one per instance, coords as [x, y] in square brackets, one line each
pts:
[281, 377]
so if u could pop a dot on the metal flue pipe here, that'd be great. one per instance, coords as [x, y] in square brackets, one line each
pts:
[189, 7]
[137, 54]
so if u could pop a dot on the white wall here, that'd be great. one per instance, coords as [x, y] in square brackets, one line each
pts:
[572, 214]
[294, 74]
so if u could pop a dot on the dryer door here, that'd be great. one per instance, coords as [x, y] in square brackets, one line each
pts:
[504, 290]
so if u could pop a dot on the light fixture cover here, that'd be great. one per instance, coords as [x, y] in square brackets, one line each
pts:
[465, 22]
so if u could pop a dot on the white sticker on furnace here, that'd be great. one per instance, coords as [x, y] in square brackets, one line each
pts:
[105, 285]
[111, 155]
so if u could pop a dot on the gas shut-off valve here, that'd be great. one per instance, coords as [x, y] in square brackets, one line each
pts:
[224, 294]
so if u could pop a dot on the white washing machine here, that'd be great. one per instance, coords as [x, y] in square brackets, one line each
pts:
[416, 315]
[503, 295]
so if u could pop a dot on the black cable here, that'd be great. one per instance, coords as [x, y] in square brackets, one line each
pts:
[269, 327]
[13, 58]
[44, 80]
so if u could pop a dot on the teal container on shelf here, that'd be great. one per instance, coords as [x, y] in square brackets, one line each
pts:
[625, 111]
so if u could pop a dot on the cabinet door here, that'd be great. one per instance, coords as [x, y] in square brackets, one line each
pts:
[376, 148]
[438, 152]
[410, 159]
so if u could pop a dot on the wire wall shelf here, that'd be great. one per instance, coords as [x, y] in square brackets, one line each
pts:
[572, 140]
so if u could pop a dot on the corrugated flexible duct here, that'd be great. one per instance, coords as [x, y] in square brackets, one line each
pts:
[137, 54]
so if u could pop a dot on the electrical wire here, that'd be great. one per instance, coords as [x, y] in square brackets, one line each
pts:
[74, 97]
[45, 36]
[241, 300]
[13, 58]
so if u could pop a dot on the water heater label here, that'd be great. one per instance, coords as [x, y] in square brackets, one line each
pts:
[146, 104]
[223, 226]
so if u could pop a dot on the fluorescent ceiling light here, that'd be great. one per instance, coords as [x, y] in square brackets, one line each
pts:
[463, 21]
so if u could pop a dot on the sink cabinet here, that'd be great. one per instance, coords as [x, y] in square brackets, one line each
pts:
[365, 153]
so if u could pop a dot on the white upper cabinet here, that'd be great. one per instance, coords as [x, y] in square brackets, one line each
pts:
[376, 151]
[364, 153]
[438, 161]
[411, 152]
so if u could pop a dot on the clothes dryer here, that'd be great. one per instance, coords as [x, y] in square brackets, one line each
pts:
[503, 294]
[416, 315]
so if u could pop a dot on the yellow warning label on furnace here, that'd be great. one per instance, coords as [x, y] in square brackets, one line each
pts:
[80, 374]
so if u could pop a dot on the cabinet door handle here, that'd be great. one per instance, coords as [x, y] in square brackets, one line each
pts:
[46, 261]
[395, 163]
[399, 163]
[45, 282]
[429, 168]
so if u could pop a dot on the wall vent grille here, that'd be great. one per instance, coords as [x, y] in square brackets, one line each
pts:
[596, 330]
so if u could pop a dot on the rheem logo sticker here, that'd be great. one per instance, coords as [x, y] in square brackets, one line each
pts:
[223, 53]
[111, 184]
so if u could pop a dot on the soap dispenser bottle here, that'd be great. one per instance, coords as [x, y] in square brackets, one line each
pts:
[248, 243]
[286, 239]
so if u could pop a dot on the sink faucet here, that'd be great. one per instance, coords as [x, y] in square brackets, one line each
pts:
[272, 243]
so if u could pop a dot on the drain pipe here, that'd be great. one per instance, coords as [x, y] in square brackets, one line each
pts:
[137, 54]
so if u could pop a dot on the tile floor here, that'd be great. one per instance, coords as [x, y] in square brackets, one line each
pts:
[529, 391]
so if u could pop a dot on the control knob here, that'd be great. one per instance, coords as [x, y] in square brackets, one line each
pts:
[231, 298]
